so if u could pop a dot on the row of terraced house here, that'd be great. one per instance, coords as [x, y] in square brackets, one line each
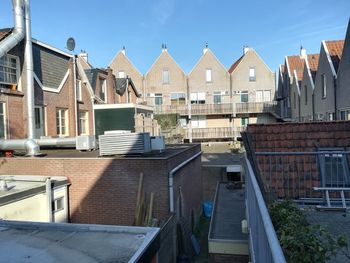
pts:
[315, 87]
[211, 102]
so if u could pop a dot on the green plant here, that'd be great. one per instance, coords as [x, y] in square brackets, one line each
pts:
[302, 242]
[167, 121]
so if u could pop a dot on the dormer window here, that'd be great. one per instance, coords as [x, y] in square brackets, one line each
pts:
[9, 72]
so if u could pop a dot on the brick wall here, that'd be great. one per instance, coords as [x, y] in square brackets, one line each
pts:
[104, 190]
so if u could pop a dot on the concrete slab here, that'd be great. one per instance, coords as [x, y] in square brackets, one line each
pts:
[49, 242]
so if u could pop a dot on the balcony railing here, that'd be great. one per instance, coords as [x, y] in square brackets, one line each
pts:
[214, 109]
[264, 245]
[212, 133]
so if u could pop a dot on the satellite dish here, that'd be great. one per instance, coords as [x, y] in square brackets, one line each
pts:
[70, 44]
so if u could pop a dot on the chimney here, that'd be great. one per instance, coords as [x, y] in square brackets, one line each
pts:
[206, 48]
[123, 50]
[164, 48]
[245, 49]
[84, 55]
[302, 52]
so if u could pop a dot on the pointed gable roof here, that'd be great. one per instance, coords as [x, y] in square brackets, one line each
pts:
[312, 64]
[163, 54]
[295, 63]
[335, 51]
[121, 54]
[235, 64]
[5, 32]
[207, 53]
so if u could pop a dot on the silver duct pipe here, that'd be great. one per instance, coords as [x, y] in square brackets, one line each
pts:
[18, 32]
[28, 58]
[30, 146]
[57, 142]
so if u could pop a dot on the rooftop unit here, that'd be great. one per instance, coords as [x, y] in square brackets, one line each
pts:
[124, 143]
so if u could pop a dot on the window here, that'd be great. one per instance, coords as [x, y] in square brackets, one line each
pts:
[197, 97]
[244, 121]
[158, 99]
[165, 76]
[121, 74]
[330, 116]
[323, 86]
[199, 122]
[83, 123]
[345, 115]
[103, 89]
[208, 75]
[58, 204]
[267, 95]
[217, 97]
[252, 74]
[2, 120]
[244, 96]
[305, 94]
[9, 69]
[259, 96]
[79, 96]
[334, 168]
[178, 98]
[61, 122]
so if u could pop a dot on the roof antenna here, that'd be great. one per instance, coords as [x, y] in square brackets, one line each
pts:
[206, 44]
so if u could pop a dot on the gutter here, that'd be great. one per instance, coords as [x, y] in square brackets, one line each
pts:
[171, 179]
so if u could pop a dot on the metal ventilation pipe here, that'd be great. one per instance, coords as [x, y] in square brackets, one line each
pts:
[28, 58]
[30, 146]
[18, 32]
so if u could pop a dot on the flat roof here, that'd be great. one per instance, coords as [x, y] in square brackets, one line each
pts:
[219, 155]
[52, 242]
[122, 106]
[225, 233]
[19, 186]
[170, 151]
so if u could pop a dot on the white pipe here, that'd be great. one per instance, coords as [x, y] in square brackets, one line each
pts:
[69, 141]
[18, 32]
[75, 97]
[28, 58]
[171, 179]
[49, 199]
[30, 146]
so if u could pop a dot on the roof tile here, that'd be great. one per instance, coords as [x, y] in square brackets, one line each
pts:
[335, 49]
[4, 32]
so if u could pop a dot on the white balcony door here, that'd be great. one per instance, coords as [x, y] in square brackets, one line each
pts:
[39, 122]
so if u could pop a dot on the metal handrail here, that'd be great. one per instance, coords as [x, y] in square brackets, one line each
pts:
[256, 204]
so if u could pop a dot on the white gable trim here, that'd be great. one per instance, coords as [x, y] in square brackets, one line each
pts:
[296, 81]
[39, 43]
[309, 73]
[287, 64]
[329, 58]
[55, 90]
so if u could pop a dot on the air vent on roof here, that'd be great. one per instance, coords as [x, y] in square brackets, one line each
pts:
[85, 143]
[124, 143]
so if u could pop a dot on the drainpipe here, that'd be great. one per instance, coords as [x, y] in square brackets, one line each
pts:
[171, 179]
[335, 97]
[18, 32]
[49, 199]
[313, 105]
[28, 58]
[75, 97]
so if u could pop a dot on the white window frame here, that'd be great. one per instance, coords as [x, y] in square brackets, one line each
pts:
[166, 76]
[259, 96]
[61, 118]
[8, 56]
[158, 96]
[176, 97]
[323, 86]
[197, 97]
[79, 93]
[217, 94]
[3, 114]
[83, 123]
[252, 74]
[103, 89]
[208, 75]
[121, 74]
[55, 202]
[267, 95]
[244, 92]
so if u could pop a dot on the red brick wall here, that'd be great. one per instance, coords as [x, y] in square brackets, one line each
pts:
[104, 190]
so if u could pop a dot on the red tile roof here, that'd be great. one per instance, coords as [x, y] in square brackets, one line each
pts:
[335, 49]
[234, 65]
[313, 63]
[296, 63]
[4, 32]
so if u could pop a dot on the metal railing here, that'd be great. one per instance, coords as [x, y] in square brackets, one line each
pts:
[295, 175]
[264, 245]
[212, 109]
[212, 133]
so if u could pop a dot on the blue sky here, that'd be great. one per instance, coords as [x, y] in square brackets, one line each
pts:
[274, 28]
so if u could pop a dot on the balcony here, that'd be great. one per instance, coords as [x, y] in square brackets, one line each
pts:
[217, 109]
[215, 133]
